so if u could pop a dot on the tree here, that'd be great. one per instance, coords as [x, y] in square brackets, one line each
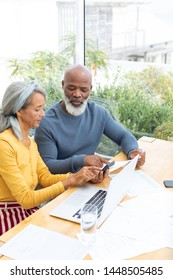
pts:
[45, 67]
[95, 59]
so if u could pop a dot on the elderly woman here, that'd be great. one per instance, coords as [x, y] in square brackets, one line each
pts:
[21, 167]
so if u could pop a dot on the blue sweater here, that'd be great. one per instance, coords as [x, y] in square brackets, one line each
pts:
[63, 140]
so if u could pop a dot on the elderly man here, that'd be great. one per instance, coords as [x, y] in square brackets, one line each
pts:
[71, 130]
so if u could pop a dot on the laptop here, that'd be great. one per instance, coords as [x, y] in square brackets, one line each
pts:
[106, 199]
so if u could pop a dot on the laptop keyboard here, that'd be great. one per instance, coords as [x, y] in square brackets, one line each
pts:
[97, 199]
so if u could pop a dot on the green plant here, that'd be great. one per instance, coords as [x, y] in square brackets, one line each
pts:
[135, 107]
[152, 81]
[140, 112]
[164, 131]
[95, 59]
[141, 101]
[43, 66]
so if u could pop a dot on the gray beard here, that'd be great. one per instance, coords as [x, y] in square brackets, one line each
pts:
[75, 111]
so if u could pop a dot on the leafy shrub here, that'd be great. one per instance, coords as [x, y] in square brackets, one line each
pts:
[137, 103]
[140, 112]
[45, 67]
[164, 131]
[141, 101]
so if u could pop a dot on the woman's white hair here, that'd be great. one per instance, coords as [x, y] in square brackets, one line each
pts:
[16, 96]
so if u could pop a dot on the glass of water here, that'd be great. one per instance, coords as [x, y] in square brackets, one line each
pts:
[88, 224]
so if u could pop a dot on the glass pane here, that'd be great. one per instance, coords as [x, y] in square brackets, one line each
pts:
[128, 46]
[129, 49]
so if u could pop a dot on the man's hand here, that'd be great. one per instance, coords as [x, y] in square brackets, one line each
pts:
[141, 159]
[94, 160]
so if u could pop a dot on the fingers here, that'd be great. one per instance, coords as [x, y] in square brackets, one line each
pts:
[105, 174]
[103, 160]
[92, 174]
[141, 153]
[95, 160]
[141, 159]
[84, 175]
[93, 168]
[87, 173]
[97, 179]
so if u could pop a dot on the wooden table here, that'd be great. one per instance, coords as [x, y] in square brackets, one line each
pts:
[158, 165]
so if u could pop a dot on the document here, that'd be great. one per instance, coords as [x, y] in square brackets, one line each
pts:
[137, 226]
[160, 202]
[118, 164]
[111, 246]
[37, 243]
[146, 226]
[142, 184]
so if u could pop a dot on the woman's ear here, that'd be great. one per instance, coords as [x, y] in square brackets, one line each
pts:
[18, 113]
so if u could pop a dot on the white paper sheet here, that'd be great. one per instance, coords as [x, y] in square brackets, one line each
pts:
[137, 226]
[140, 225]
[37, 243]
[160, 202]
[112, 246]
[118, 164]
[142, 184]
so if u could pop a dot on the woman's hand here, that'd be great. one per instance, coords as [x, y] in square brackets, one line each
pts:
[100, 176]
[85, 174]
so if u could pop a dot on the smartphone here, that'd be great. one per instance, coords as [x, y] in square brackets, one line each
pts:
[168, 183]
[107, 166]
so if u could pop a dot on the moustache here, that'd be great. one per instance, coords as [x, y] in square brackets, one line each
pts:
[76, 99]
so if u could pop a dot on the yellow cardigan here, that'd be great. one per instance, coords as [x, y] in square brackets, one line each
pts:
[21, 169]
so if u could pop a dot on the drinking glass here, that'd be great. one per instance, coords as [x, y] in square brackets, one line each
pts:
[88, 224]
